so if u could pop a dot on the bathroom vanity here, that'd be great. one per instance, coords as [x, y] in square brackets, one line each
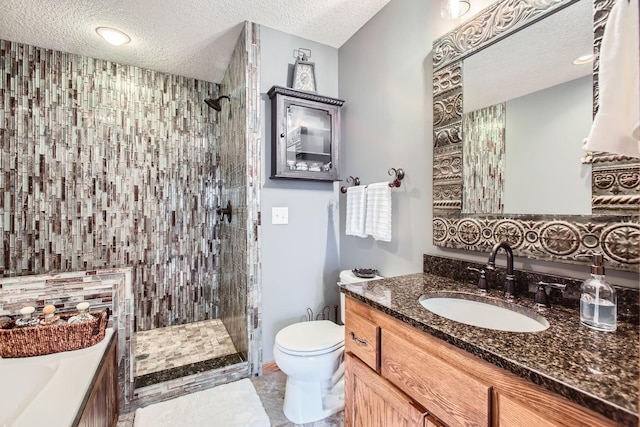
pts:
[406, 366]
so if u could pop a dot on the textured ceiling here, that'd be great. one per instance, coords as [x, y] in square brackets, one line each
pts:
[192, 38]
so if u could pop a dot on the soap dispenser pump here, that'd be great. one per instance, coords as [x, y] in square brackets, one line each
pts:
[598, 302]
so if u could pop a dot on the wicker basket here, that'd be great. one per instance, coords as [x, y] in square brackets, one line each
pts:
[40, 340]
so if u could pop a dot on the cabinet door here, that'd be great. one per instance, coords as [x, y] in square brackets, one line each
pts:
[102, 405]
[455, 397]
[305, 132]
[538, 408]
[371, 401]
[432, 422]
[513, 414]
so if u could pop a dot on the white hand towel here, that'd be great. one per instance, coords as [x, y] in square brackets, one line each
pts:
[356, 211]
[378, 221]
[616, 126]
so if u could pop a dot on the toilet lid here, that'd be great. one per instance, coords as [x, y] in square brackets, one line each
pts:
[319, 336]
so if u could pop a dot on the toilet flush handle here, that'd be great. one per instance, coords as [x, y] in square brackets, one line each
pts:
[359, 341]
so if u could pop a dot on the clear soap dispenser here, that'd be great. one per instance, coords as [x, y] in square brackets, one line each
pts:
[598, 302]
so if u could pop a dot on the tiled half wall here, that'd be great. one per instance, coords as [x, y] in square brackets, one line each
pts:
[110, 288]
[107, 165]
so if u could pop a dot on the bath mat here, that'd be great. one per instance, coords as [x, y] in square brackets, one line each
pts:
[230, 405]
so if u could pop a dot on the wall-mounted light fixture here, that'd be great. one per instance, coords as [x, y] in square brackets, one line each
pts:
[113, 36]
[454, 9]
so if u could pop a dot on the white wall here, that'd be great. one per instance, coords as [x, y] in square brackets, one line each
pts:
[386, 78]
[300, 261]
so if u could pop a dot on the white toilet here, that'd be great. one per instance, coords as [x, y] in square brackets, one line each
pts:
[311, 354]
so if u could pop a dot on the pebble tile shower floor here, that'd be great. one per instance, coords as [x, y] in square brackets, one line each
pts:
[175, 351]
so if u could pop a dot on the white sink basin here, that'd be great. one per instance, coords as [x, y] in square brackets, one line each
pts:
[478, 311]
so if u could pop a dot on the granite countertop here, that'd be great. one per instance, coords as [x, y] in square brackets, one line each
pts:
[595, 369]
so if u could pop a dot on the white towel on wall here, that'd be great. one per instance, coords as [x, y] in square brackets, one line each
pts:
[378, 220]
[356, 211]
[616, 126]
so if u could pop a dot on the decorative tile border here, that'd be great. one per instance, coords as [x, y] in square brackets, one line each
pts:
[491, 24]
[558, 239]
[613, 227]
[190, 384]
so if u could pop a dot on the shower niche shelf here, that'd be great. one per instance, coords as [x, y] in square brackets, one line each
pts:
[305, 135]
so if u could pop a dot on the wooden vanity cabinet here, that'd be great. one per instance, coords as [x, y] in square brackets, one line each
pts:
[439, 384]
[101, 406]
[370, 400]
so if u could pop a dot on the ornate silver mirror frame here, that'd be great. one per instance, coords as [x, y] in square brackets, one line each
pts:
[613, 228]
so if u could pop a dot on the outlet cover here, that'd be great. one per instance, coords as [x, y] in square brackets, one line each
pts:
[280, 215]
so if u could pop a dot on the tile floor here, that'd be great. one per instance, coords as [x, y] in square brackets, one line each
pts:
[270, 389]
[186, 344]
[177, 351]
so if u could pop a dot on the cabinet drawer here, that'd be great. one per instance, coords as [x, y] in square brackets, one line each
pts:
[448, 393]
[362, 339]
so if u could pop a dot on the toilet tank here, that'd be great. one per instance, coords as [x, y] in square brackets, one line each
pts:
[347, 276]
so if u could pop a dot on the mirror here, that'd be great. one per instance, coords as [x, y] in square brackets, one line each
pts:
[541, 90]
[475, 208]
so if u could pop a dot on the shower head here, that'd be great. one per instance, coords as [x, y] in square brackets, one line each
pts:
[215, 103]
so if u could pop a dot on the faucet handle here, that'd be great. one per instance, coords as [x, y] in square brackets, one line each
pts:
[560, 286]
[541, 298]
[482, 280]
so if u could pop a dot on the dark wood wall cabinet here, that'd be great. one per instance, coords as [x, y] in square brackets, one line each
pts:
[305, 130]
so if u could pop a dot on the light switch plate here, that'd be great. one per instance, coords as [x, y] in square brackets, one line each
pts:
[280, 215]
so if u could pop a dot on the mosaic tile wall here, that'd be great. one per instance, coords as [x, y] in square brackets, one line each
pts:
[239, 141]
[239, 259]
[109, 165]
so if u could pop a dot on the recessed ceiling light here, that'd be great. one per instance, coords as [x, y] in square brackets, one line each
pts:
[113, 36]
[584, 59]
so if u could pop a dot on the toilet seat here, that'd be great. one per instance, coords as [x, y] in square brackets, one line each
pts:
[310, 338]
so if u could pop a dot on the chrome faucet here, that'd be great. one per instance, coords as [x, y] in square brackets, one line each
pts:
[510, 280]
